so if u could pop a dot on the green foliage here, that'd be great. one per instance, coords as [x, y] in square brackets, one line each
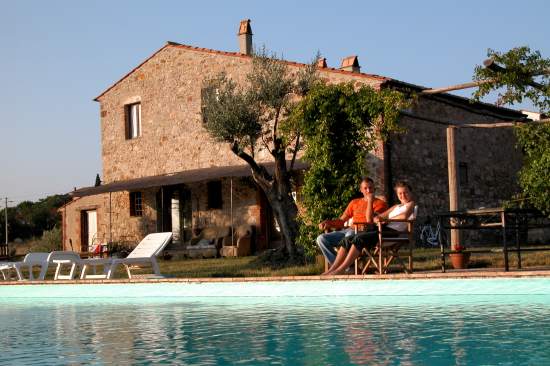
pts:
[229, 113]
[30, 219]
[340, 125]
[249, 116]
[249, 113]
[526, 74]
[522, 68]
[534, 177]
[51, 240]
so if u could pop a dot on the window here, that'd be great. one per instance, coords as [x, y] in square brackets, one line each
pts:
[136, 207]
[214, 194]
[133, 120]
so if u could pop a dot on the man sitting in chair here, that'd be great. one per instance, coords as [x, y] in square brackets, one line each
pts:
[358, 210]
[351, 249]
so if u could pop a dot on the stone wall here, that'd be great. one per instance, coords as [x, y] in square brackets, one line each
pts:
[115, 224]
[71, 219]
[245, 207]
[168, 86]
[420, 157]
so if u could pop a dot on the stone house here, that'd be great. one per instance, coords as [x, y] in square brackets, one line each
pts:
[163, 172]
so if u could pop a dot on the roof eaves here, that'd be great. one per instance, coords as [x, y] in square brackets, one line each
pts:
[96, 99]
[404, 85]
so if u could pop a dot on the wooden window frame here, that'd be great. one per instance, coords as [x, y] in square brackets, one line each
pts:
[136, 204]
[132, 115]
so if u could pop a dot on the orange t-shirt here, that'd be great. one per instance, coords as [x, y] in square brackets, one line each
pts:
[357, 208]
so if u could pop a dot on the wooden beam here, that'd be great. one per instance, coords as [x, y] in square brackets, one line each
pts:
[453, 181]
[500, 124]
[491, 65]
[489, 125]
[445, 89]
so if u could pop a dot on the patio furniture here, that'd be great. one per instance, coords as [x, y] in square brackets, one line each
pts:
[30, 261]
[5, 269]
[240, 246]
[144, 253]
[207, 243]
[386, 252]
[61, 258]
[511, 223]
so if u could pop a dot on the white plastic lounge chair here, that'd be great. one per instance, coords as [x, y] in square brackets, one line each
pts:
[31, 260]
[5, 269]
[144, 253]
[43, 260]
[65, 257]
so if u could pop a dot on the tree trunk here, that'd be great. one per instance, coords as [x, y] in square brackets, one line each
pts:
[285, 211]
[277, 189]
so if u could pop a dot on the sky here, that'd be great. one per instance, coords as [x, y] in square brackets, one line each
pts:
[56, 56]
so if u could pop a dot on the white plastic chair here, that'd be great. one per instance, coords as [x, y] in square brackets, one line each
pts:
[144, 253]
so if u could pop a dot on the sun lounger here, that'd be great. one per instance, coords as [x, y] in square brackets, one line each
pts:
[31, 260]
[144, 253]
[5, 269]
[60, 258]
[42, 260]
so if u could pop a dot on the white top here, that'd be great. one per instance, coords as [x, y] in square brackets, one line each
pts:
[398, 210]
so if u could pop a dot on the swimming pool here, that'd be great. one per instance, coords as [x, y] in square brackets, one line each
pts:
[417, 322]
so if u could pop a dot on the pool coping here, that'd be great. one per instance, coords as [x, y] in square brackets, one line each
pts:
[455, 274]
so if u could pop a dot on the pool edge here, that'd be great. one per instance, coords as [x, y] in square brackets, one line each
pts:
[401, 276]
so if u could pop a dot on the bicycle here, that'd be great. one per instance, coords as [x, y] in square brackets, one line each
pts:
[430, 236]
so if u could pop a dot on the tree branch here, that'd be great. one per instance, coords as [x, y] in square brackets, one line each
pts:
[259, 172]
[275, 124]
[296, 147]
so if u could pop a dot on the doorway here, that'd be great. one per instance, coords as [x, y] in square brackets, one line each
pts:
[174, 212]
[88, 229]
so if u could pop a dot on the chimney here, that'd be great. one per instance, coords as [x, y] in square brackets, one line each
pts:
[245, 37]
[350, 63]
[322, 63]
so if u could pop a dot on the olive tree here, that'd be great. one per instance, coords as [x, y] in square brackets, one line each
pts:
[248, 116]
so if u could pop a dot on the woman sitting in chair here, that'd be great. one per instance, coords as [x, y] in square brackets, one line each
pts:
[352, 247]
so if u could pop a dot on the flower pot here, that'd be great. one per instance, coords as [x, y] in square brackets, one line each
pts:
[460, 260]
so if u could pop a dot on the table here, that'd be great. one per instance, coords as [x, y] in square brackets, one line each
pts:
[515, 220]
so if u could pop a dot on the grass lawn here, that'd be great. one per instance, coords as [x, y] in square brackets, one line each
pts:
[233, 267]
[424, 260]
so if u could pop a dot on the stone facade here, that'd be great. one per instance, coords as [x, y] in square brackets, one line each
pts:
[487, 157]
[168, 87]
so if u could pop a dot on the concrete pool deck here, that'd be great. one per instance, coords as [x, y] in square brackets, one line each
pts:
[450, 274]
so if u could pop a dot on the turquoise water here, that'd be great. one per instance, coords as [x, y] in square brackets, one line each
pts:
[416, 322]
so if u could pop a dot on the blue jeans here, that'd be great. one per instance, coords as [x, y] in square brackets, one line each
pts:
[328, 241]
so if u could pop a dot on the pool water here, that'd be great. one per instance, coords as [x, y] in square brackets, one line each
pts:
[432, 322]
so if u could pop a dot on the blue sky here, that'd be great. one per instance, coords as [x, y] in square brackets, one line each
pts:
[57, 55]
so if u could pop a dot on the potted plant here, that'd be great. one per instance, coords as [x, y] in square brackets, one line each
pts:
[459, 257]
